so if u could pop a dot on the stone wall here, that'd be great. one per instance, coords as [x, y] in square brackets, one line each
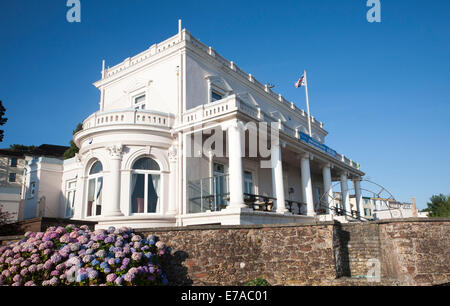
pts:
[359, 248]
[416, 252]
[39, 225]
[232, 255]
[410, 252]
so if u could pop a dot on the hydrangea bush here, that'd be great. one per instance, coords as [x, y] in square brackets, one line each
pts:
[77, 256]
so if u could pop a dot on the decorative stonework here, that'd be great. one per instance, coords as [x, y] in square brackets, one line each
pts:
[115, 151]
[173, 153]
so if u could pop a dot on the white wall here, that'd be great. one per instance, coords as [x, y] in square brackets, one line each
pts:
[157, 80]
[197, 90]
[46, 173]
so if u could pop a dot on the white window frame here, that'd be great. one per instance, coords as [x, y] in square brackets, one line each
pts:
[214, 88]
[252, 181]
[146, 176]
[70, 191]
[15, 177]
[138, 106]
[95, 177]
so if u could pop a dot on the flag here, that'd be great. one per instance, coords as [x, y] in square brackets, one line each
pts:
[300, 82]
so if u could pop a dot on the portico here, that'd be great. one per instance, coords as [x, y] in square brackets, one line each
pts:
[295, 177]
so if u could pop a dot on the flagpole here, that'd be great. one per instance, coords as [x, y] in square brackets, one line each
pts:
[307, 104]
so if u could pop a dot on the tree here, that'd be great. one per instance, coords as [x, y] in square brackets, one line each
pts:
[2, 119]
[70, 152]
[439, 206]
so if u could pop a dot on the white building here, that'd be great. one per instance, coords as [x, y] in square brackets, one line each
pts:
[141, 162]
[388, 209]
[15, 178]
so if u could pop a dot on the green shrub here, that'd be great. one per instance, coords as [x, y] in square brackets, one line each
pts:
[257, 282]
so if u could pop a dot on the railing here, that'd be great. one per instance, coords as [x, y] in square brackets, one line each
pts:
[300, 207]
[338, 211]
[153, 50]
[259, 202]
[208, 194]
[129, 116]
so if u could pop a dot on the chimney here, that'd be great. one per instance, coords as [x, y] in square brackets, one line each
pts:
[414, 208]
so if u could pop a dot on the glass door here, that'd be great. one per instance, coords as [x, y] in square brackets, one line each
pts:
[219, 185]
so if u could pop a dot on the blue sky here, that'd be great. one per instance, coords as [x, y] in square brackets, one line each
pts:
[382, 89]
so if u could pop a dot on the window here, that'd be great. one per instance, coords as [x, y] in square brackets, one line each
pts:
[248, 182]
[32, 189]
[70, 198]
[145, 186]
[215, 96]
[95, 186]
[13, 162]
[139, 102]
[12, 177]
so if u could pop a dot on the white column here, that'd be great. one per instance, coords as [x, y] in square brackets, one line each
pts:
[307, 184]
[344, 194]
[236, 182]
[358, 195]
[113, 208]
[173, 194]
[327, 187]
[277, 178]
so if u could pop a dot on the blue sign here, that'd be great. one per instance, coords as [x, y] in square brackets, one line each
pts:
[306, 138]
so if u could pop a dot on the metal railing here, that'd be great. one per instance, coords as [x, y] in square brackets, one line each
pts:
[338, 211]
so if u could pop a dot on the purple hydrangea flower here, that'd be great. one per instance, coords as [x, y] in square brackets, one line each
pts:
[56, 258]
[111, 277]
[88, 258]
[101, 253]
[24, 272]
[136, 256]
[136, 238]
[32, 268]
[6, 273]
[17, 278]
[92, 274]
[54, 273]
[129, 277]
[109, 239]
[119, 280]
[54, 281]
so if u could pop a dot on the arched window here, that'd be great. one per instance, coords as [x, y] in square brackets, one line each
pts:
[95, 186]
[145, 186]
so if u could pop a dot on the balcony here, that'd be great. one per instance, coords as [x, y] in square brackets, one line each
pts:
[129, 116]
